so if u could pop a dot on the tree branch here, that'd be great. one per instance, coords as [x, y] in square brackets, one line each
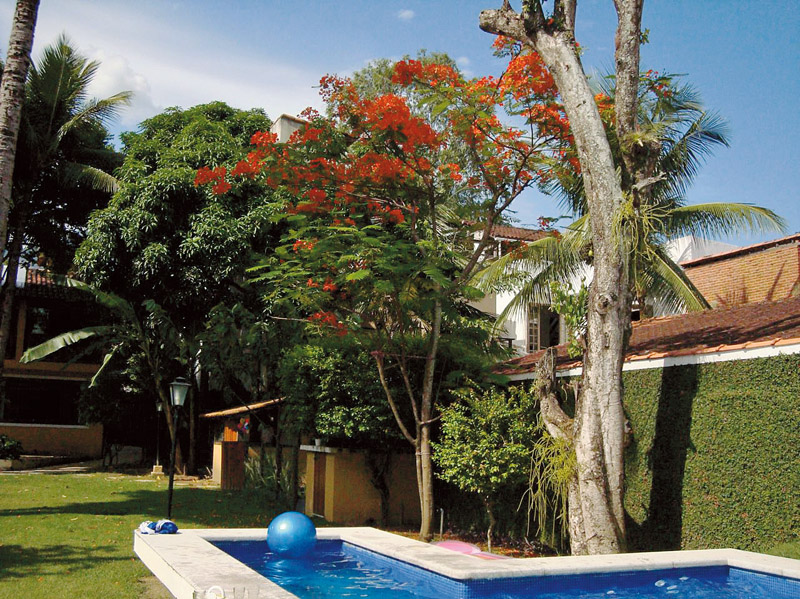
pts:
[558, 423]
[392, 405]
[503, 21]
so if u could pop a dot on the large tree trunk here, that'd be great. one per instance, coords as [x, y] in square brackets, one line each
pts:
[598, 432]
[12, 94]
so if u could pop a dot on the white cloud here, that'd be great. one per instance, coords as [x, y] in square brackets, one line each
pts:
[168, 66]
[405, 14]
[463, 63]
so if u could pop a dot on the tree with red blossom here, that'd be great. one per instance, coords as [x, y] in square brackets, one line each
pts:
[375, 246]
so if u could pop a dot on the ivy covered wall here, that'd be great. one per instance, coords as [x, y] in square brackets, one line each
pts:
[715, 455]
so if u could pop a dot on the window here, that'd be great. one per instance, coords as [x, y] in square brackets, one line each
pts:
[544, 328]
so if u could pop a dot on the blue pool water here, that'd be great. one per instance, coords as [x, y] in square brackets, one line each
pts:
[337, 569]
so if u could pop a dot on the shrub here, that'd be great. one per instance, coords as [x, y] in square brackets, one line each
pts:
[10, 449]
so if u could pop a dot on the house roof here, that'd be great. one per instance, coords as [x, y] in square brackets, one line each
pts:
[40, 283]
[506, 232]
[749, 326]
[748, 249]
[764, 271]
[243, 409]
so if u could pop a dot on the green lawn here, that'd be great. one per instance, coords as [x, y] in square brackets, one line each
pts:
[70, 535]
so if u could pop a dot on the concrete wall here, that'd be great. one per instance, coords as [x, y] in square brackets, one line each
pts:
[57, 439]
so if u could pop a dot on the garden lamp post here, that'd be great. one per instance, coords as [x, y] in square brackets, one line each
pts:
[177, 395]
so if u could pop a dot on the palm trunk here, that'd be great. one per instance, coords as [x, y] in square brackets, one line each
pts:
[12, 94]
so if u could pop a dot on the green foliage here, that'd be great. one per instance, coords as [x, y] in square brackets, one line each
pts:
[553, 466]
[573, 308]
[715, 455]
[261, 475]
[332, 392]
[10, 449]
[240, 351]
[486, 440]
[790, 550]
[161, 237]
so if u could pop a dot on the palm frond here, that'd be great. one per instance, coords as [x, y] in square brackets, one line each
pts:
[669, 286]
[118, 305]
[686, 152]
[73, 174]
[98, 111]
[719, 219]
[106, 359]
[51, 346]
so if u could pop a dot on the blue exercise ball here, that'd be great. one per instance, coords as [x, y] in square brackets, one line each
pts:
[291, 534]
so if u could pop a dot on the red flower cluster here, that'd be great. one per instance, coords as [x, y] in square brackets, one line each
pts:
[409, 71]
[391, 113]
[302, 244]
[328, 319]
[527, 76]
[217, 176]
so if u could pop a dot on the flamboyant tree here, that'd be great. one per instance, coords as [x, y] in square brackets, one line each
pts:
[375, 246]
[615, 192]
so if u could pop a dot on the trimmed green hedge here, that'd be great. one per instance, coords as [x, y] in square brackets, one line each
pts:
[715, 457]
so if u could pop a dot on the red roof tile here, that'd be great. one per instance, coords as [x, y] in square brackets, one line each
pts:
[505, 232]
[748, 249]
[746, 326]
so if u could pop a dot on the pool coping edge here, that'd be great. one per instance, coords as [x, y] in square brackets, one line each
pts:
[188, 564]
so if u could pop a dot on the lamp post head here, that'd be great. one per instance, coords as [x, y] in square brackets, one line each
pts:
[178, 390]
[159, 406]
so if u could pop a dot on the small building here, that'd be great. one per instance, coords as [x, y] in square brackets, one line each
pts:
[341, 486]
[231, 442]
[41, 409]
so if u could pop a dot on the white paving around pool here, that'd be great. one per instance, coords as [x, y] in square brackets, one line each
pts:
[189, 565]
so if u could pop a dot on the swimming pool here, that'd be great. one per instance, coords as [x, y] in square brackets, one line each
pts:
[355, 561]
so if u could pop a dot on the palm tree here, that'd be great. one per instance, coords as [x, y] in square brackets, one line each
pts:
[673, 116]
[63, 165]
[12, 93]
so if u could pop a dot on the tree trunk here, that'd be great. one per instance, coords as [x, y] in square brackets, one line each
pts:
[12, 94]
[171, 421]
[599, 418]
[194, 396]
[278, 457]
[426, 484]
[379, 464]
[294, 486]
[426, 419]
[492, 521]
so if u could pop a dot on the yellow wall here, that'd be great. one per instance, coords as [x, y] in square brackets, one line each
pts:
[216, 463]
[253, 451]
[54, 439]
[350, 497]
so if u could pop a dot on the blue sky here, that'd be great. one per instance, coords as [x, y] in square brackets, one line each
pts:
[743, 57]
